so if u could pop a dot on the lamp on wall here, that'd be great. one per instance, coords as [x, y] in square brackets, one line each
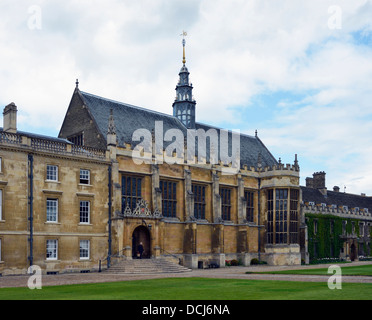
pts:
[146, 225]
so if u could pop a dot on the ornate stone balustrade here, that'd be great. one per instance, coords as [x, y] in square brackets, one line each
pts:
[50, 145]
[10, 138]
[88, 151]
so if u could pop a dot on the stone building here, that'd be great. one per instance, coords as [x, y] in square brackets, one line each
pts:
[118, 175]
[338, 223]
[53, 202]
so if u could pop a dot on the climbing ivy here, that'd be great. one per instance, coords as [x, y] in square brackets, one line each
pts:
[327, 243]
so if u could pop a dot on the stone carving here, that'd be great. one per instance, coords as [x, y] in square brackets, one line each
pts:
[141, 211]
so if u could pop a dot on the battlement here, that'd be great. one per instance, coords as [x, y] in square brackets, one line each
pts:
[340, 211]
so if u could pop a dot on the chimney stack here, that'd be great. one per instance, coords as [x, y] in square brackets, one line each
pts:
[10, 118]
[319, 182]
[309, 182]
[336, 189]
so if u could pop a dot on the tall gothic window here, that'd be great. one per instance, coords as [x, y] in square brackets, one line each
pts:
[199, 201]
[270, 216]
[130, 191]
[249, 196]
[293, 216]
[281, 211]
[282, 216]
[169, 198]
[225, 194]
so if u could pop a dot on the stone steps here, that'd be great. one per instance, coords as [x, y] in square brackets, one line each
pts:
[146, 266]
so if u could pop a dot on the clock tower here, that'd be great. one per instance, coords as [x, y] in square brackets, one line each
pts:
[184, 104]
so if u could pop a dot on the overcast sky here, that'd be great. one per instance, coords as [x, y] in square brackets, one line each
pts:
[300, 72]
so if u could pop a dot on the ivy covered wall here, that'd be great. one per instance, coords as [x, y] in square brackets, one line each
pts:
[327, 241]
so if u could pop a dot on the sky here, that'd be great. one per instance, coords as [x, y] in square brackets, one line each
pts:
[298, 72]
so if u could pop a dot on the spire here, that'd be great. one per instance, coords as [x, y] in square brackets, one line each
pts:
[184, 34]
[184, 104]
[296, 162]
[77, 83]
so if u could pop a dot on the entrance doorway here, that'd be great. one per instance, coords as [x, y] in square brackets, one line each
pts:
[352, 252]
[141, 235]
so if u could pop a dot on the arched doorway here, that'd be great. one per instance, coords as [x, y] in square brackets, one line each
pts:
[141, 235]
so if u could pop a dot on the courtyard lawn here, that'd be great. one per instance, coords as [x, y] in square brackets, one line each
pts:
[363, 270]
[193, 289]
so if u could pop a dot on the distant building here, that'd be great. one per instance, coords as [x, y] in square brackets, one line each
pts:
[338, 223]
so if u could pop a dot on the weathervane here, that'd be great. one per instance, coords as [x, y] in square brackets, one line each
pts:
[183, 34]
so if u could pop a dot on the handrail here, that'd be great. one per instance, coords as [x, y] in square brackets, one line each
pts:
[171, 254]
[109, 256]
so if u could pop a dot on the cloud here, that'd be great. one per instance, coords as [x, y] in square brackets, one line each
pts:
[275, 66]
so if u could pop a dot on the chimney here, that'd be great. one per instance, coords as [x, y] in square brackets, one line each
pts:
[336, 189]
[319, 182]
[309, 182]
[363, 194]
[10, 118]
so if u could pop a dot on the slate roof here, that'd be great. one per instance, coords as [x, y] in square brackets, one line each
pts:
[129, 118]
[337, 198]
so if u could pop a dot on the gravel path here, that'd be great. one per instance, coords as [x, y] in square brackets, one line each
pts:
[222, 273]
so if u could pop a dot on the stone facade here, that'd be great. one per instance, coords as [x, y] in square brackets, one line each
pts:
[192, 241]
[26, 192]
[346, 218]
[78, 201]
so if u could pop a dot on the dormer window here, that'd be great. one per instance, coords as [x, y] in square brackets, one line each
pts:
[77, 139]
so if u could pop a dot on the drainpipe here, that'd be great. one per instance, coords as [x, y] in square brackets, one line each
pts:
[30, 202]
[109, 215]
[259, 219]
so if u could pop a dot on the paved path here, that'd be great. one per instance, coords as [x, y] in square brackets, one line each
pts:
[221, 273]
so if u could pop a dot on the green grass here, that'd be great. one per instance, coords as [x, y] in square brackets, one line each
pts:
[363, 270]
[193, 289]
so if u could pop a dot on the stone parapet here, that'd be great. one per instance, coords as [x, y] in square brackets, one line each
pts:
[29, 143]
[338, 211]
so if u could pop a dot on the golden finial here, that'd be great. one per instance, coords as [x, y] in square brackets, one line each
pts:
[184, 34]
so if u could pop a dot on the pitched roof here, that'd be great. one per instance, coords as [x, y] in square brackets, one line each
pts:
[336, 198]
[129, 118]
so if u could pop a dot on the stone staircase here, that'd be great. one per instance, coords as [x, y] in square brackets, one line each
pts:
[146, 266]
